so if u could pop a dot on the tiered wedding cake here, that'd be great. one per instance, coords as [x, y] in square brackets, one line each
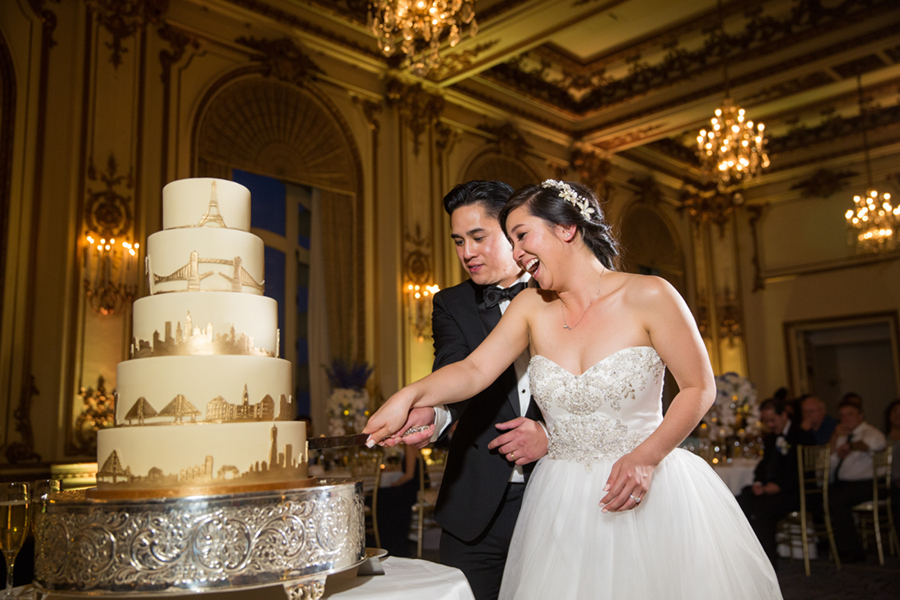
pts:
[204, 405]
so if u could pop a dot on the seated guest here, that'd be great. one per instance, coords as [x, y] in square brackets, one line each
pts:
[776, 489]
[852, 446]
[816, 420]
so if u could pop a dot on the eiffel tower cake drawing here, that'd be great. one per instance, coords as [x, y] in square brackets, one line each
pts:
[212, 217]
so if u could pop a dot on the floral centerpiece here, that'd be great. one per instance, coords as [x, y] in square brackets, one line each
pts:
[736, 409]
[348, 405]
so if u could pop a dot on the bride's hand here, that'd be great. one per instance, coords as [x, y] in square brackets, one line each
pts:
[390, 418]
[627, 484]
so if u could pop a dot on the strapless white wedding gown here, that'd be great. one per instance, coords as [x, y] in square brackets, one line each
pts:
[688, 539]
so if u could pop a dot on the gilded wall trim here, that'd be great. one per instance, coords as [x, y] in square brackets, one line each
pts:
[24, 450]
[7, 127]
[125, 18]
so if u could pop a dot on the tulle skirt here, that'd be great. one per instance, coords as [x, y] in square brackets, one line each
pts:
[688, 538]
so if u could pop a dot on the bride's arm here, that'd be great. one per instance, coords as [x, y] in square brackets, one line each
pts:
[674, 335]
[463, 379]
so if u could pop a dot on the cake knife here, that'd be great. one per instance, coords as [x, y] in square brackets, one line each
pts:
[340, 441]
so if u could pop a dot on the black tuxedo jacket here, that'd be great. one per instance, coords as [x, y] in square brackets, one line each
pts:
[779, 468]
[475, 478]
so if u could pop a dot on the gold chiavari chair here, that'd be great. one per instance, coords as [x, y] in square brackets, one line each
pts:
[813, 467]
[369, 469]
[877, 514]
[427, 496]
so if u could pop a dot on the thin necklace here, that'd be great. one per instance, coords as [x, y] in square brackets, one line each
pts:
[563, 310]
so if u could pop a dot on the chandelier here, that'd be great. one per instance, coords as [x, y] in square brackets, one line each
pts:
[733, 150]
[421, 23]
[872, 222]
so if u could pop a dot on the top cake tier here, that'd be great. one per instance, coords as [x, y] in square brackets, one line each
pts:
[206, 202]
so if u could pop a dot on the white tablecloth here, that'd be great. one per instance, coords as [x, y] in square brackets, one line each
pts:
[403, 578]
[737, 474]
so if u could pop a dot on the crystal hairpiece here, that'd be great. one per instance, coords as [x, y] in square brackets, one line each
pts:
[570, 196]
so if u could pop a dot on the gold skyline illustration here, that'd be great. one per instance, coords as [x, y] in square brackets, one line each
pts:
[277, 466]
[189, 339]
[190, 272]
[218, 410]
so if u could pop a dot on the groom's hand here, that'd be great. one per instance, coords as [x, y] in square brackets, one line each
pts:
[418, 417]
[525, 441]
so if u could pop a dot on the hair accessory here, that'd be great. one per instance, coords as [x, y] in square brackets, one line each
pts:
[570, 196]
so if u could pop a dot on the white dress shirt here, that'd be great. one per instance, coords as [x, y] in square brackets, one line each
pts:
[442, 413]
[857, 466]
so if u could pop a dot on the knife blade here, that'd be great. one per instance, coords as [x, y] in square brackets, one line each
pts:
[340, 441]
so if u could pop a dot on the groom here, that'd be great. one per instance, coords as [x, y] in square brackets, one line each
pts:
[484, 480]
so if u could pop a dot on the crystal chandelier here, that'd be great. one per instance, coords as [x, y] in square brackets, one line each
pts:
[733, 150]
[872, 222]
[421, 24]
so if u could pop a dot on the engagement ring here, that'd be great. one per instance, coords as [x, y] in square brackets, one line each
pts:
[636, 500]
[413, 430]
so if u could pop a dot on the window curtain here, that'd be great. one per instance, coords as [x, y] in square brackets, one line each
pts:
[317, 332]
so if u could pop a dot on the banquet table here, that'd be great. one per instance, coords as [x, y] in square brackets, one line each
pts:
[737, 474]
[403, 577]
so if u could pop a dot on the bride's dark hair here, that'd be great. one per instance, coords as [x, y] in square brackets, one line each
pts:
[549, 204]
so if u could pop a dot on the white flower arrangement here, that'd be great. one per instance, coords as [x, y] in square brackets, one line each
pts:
[348, 409]
[736, 409]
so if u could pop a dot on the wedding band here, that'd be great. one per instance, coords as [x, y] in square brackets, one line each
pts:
[636, 500]
[512, 456]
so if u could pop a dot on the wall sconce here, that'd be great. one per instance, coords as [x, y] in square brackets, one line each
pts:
[418, 302]
[109, 273]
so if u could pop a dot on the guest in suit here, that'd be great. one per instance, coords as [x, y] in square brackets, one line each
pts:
[852, 446]
[481, 491]
[816, 419]
[776, 487]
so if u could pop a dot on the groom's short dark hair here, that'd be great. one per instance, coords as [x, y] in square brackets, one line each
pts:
[490, 194]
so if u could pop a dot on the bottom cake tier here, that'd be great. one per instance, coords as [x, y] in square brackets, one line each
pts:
[199, 456]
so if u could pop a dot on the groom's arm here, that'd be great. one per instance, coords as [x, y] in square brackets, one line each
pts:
[450, 346]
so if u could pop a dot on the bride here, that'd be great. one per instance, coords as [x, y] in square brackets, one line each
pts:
[614, 510]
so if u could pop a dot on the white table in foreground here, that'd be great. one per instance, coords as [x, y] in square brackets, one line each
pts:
[738, 473]
[403, 577]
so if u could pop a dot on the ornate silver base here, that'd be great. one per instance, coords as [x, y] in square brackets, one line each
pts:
[169, 545]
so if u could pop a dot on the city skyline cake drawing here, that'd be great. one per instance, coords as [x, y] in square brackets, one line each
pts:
[204, 403]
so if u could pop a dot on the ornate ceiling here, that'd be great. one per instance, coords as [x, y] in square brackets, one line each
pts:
[639, 78]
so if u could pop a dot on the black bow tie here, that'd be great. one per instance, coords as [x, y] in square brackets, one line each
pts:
[494, 295]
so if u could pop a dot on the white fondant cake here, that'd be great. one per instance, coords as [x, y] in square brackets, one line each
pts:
[204, 403]
[205, 202]
[205, 323]
[189, 260]
[181, 389]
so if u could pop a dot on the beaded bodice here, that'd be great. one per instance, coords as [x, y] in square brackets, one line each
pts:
[606, 411]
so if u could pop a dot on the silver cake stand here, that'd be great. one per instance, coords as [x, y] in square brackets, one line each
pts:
[168, 546]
